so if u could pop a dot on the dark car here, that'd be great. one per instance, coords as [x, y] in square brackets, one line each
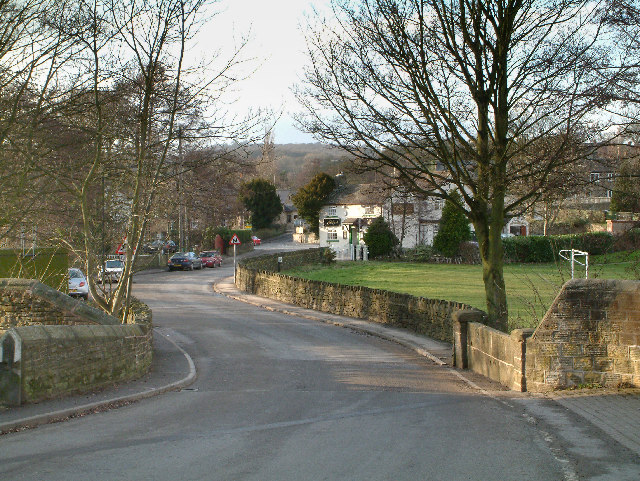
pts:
[211, 258]
[169, 247]
[184, 260]
[155, 246]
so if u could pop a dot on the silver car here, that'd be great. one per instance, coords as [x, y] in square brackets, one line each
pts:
[78, 285]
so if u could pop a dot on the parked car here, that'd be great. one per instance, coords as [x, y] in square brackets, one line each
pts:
[154, 246]
[211, 258]
[169, 247]
[256, 240]
[184, 260]
[112, 271]
[78, 285]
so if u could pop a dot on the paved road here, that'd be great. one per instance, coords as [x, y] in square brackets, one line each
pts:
[285, 398]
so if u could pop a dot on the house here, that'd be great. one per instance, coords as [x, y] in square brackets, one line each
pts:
[346, 215]
[414, 220]
[289, 214]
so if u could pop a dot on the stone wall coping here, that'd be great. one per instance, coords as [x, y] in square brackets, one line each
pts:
[33, 334]
[522, 334]
[470, 315]
[60, 300]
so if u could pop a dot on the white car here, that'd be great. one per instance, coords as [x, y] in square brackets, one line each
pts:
[78, 285]
[112, 271]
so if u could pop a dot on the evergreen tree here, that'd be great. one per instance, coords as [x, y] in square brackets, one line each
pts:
[259, 196]
[626, 188]
[379, 238]
[310, 199]
[454, 227]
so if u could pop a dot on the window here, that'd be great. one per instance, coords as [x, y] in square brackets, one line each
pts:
[595, 177]
[404, 208]
[332, 210]
[332, 236]
[369, 210]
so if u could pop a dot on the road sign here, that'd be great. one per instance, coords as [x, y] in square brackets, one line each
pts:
[235, 241]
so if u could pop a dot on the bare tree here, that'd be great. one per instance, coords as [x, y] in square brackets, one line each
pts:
[31, 56]
[437, 94]
[132, 98]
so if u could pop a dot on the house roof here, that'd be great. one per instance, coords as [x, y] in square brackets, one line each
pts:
[356, 194]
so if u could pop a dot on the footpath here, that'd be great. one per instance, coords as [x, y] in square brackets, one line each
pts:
[616, 412]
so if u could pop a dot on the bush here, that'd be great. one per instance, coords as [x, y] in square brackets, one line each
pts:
[421, 253]
[545, 249]
[328, 257]
[454, 227]
[210, 235]
[380, 238]
[469, 252]
[629, 241]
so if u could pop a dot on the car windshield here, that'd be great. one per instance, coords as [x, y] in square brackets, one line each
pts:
[207, 254]
[75, 274]
[179, 254]
[113, 264]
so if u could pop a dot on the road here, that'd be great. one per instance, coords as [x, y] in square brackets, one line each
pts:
[285, 398]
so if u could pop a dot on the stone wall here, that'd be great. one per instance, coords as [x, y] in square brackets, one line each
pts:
[60, 360]
[55, 345]
[589, 336]
[489, 352]
[25, 302]
[430, 317]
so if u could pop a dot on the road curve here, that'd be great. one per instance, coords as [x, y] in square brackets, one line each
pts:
[280, 397]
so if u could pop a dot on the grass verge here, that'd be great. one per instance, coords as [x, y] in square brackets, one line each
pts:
[531, 288]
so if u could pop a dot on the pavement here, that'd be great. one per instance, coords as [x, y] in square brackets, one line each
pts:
[615, 412]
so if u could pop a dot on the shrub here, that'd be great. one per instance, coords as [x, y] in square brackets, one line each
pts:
[380, 238]
[421, 253]
[545, 249]
[210, 234]
[328, 256]
[469, 252]
[454, 227]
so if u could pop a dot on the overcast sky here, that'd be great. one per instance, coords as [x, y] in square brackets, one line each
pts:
[276, 43]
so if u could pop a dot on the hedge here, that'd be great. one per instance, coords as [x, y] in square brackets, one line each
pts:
[546, 248]
[243, 234]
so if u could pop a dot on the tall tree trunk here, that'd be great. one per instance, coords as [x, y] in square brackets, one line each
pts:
[489, 237]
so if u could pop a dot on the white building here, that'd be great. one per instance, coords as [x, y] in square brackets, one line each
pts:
[415, 221]
[347, 214]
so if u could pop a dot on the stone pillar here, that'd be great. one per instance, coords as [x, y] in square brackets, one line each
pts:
[520, 358]
[460, 334]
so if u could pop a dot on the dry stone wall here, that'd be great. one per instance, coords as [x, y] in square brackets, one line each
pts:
[430, 317]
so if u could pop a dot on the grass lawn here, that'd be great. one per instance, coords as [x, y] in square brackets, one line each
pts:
[531, 288]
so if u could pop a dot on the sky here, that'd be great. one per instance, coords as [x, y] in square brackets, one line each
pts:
[277, 45]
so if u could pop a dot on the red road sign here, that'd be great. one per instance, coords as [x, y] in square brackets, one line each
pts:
[235, 241]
